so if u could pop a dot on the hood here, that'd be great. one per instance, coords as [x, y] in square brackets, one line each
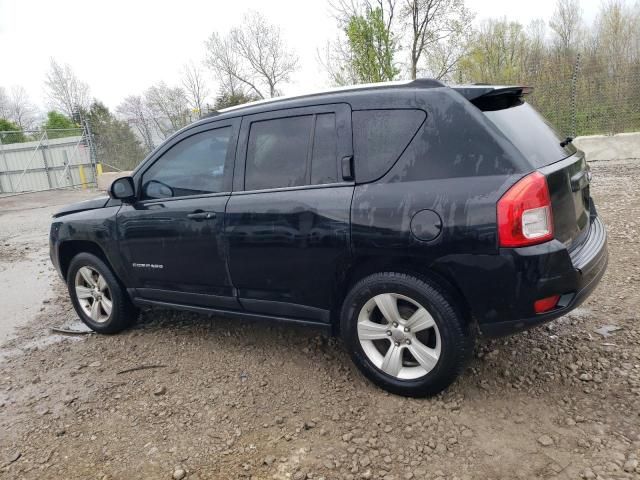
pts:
[91, 204]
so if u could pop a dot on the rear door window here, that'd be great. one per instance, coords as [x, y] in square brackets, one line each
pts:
[380, 137]
[277, 152]
[324, 159]
[292, 151]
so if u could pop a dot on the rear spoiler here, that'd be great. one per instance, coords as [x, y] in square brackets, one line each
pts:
[491, 97]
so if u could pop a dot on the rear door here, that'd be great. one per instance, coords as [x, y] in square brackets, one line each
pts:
[564, 166]
[287, 221]
[171, 237]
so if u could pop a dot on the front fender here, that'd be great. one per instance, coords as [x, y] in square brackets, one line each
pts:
[98, 227]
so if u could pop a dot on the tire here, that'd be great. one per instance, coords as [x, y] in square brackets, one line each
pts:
[419, 362]
[105, 290]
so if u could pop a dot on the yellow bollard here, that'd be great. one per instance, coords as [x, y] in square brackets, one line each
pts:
[98, 171]
[83, 179]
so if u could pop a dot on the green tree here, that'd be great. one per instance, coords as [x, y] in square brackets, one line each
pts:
[372, 47]
[227, 99]
[16, 135]
[116, 144]
[498, 54]
[59, 126]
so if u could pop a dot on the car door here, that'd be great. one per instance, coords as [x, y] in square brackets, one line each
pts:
[171, 237]
[287, 221]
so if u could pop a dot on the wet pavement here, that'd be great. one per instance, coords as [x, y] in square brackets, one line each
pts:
[26, 274]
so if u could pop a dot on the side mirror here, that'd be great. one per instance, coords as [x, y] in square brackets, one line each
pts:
[122, 189]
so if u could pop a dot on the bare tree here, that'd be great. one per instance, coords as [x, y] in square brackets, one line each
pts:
[443, 57]
[252, 57]
[20, 110]
[168, 107]
[195, 87]
[438, 31]
[136, 113]
[4, 103]
[617, 32]
[536, 50]
[225, 62]
[336, 58]
[66, 92]
[262, 47]
[566, 24]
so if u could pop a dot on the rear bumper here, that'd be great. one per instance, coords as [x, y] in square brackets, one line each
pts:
[501, 299]
[591, 273]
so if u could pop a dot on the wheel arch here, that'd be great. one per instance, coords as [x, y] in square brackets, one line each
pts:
[368, 265]
[70, 248]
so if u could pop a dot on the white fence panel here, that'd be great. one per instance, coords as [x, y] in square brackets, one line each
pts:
[45, 164]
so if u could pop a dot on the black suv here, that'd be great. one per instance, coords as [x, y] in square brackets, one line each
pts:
[405, 217]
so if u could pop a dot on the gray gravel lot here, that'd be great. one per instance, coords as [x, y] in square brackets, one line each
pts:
[231, 399]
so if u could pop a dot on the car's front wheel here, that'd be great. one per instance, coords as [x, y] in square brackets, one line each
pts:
[404, 334]
[97, 296]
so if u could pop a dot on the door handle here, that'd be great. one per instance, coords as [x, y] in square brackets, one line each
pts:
[347, 168]
[200, 215]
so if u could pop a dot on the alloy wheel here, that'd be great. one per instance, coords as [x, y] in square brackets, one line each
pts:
[94, 295]
[399, 336]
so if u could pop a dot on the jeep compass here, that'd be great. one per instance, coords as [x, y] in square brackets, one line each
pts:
[405, 217]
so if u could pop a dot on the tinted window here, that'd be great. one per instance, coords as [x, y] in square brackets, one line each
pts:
[531, 134]
[454, 142]
[324, 166]
[193, 166]
[277, 152]
[379, 137]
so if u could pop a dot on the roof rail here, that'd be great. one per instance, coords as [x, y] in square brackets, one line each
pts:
[419, 83]
[212, 113]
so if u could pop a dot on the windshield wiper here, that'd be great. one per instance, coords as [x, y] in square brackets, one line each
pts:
[566, 141]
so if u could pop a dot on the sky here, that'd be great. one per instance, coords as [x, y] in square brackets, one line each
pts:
[121, 47]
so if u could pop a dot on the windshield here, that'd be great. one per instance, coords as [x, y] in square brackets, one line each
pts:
[531, 134]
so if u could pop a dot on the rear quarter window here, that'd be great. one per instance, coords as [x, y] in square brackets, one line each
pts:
[380, 137]
[456, 140]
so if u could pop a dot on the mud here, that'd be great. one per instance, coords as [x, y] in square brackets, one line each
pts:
[232, 399]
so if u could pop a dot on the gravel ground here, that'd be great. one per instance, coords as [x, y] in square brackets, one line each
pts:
[231, 399]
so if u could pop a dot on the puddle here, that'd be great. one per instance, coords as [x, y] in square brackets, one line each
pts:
[48, 338]
[24, 286]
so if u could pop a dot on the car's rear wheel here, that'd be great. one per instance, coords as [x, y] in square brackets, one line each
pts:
[97, 296]
[404, 334]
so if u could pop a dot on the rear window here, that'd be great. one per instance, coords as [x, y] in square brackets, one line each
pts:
[531, 134]
[380, 137]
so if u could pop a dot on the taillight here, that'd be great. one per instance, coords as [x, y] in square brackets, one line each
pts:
[524, 213]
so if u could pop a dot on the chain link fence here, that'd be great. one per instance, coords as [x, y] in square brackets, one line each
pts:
[578, 95]
[150, 132]
[587, 96]
[581, 95]
[37, 160]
